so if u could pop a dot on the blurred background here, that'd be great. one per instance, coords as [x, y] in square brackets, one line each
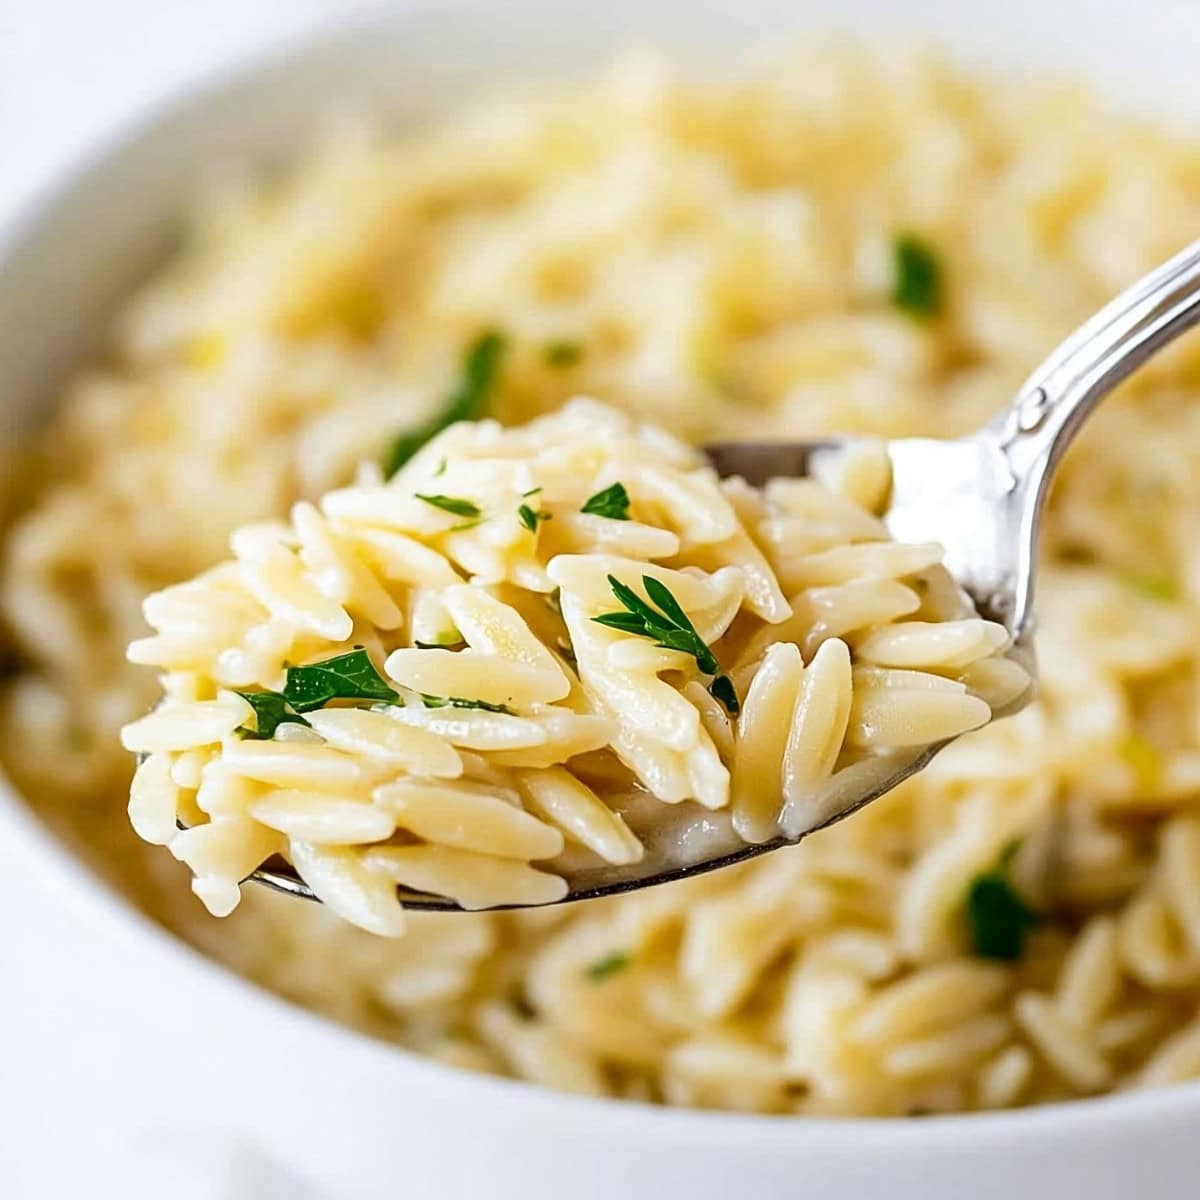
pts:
[73, 70]
[73, 73]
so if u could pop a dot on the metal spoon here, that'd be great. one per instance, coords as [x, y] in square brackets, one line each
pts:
[980, 497]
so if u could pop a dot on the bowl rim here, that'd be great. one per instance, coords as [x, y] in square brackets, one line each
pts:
[32, 845]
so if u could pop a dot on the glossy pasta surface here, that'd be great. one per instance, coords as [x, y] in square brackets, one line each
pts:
[520, 663]
[836, 242]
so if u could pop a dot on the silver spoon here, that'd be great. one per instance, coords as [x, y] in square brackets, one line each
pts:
[981, 497]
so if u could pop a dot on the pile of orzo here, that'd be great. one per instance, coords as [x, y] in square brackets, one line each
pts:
[840, 242]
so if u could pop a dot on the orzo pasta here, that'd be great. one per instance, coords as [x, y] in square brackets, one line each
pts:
[574, 618]
[871, 245]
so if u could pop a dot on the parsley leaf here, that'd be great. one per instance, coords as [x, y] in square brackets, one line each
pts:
[608, 964]
[997, 916]
[271, 710]
[917, 276]
[562, 353]
[452, 504]
[530, 519]
[625, 622]
[459, 702]
[668, 626]
[467, 402]
[612, 502]
[349, 676]
[722, 689]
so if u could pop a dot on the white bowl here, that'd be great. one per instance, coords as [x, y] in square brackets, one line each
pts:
[212, 1075]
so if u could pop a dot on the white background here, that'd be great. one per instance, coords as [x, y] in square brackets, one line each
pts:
[70, 70]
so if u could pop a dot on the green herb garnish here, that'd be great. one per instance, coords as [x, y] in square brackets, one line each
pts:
[350, 676]
[460, 702]
[916, 276]
[612, 502]
[467, 402]
[562, 353]
[529, 518]
[452, 504]
[1157, 587]
[722, 689]
[997, 916]
[667, 626]
[608, 964]
[271, 710]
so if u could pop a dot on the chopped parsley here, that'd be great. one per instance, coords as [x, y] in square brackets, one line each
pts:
[562, 353]
[467, 402]
[271, 710]
[612, 502]
[607, 964]
[997, 917]
[667, 626]
[722, 689]
[460, 702]
[529, 518]
[452, 504]
[350, 676]
[1155, 586]
[916, 276]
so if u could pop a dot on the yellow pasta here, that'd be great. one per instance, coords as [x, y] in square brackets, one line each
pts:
[712, 259]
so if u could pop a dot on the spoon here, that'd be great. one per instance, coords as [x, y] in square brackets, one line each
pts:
[980, 496]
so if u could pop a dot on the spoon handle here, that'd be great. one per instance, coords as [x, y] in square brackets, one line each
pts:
[1052, 405]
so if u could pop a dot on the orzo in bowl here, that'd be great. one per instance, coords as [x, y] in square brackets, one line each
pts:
[866, 245]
